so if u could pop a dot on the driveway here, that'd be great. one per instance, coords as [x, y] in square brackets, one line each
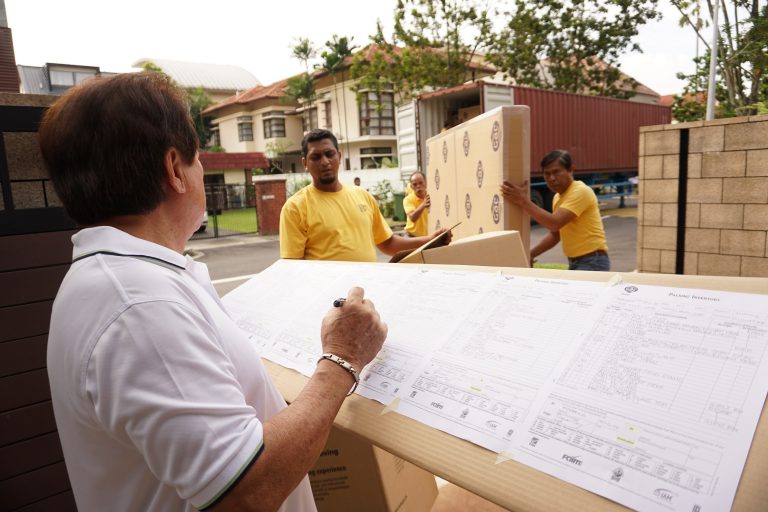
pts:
[232, 260]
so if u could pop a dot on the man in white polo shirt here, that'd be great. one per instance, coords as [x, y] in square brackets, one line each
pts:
[160, 400]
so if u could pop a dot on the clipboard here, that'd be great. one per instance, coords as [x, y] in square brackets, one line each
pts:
[435, 242]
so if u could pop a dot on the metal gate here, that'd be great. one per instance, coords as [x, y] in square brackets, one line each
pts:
[231, 211]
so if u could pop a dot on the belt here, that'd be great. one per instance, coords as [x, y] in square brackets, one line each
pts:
[598, 252]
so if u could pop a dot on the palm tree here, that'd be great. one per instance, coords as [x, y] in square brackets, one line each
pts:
[301, 88]
[339, 48]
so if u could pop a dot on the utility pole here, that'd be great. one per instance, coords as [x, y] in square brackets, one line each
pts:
[713, 64]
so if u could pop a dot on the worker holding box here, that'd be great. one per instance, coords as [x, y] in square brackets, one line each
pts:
[328, 221]
[415, 205]
[575, 217]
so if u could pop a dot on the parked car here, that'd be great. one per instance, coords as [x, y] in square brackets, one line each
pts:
[203, 224]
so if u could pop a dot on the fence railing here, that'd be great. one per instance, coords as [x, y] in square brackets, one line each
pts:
[231, 211]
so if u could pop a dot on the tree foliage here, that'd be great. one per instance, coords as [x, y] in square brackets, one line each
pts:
[338, 49]
[198, 101]
[571, 45]
[426, 49]
[742, 53]
[301, 88]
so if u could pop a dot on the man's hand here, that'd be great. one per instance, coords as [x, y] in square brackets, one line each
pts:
[446, 234]
[427, 202]
[353, 331]
[516, 194]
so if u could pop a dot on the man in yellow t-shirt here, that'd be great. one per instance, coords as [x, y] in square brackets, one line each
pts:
[327, 221]
[575, 217]
[415, 205]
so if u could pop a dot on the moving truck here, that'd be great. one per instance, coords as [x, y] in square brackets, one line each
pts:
[602, 134]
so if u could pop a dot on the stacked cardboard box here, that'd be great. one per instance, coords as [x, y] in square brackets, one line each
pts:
[466, 166]
[351, 474]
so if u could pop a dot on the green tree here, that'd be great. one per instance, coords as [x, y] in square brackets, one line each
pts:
[427, 48]
[570, 46]
[274, 150]
[742, 53]
[301, 88]
[198, 101]
[333, 62]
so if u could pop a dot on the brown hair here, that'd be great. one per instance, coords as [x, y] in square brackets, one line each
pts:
[104, 142]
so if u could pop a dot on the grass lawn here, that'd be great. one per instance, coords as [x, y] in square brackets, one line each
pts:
[241, 219]
[557, 266]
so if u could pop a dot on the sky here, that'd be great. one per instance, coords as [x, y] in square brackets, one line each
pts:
[257, 35]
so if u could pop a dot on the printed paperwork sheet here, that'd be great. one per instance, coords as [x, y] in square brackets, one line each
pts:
[480, 381]
[646, 395]
[656, 408]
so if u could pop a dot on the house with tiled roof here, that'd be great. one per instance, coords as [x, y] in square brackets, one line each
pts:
[263, 118]
[257, 119]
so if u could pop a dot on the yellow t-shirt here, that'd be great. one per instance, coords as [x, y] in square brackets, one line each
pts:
[343, 226]
[585, 233]
[418, 228]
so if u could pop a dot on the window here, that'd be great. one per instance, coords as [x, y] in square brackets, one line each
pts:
[377, 113]
[328, 121]
[274, 125]
[244, 128]
[373, 158]
[62, 78]
[309, 119]
[215, 139]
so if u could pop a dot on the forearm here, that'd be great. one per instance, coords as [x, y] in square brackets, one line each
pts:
[293, 441]
[542, 216]
[396, 244]
[549, 241]
[416, 212]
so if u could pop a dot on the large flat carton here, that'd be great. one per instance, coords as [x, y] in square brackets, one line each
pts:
[351, 474]
[493, 249]
[466, 165]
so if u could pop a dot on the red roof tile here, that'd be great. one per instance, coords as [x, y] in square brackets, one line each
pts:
[222, 161]
[275, 90]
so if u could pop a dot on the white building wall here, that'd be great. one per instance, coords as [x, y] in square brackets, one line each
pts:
[228, 134]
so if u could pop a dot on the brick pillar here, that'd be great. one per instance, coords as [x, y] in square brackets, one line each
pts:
[9, 75]
[270, 198]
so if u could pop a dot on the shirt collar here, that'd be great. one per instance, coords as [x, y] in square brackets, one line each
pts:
[108, 239]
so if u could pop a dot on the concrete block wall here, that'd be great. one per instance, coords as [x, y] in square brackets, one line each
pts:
[724, 178]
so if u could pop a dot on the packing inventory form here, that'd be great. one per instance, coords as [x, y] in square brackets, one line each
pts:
[643, 394]
[656, 408]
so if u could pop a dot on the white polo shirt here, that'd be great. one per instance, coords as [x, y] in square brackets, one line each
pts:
[159, 397]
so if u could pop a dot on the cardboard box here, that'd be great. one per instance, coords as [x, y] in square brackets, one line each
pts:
[465, 114]
[466, 165]
[351, 474]
[494, 249]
